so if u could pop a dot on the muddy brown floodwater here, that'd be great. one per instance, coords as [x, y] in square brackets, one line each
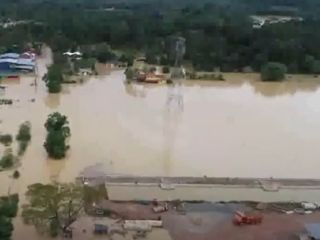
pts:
[237, 128]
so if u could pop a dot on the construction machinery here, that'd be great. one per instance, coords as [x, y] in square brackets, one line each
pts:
[240, 218]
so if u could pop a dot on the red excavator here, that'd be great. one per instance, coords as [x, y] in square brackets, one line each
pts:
[241, 218]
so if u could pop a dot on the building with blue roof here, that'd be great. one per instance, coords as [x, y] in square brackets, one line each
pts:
[24, 64]
[10, 55]
[6, 64]
[11, 62]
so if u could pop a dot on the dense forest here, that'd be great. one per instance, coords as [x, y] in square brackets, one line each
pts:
[218, 33]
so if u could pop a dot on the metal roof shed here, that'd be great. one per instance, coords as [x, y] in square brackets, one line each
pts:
[27, 62]
[8, 60]
[10, 55]
[313, 230]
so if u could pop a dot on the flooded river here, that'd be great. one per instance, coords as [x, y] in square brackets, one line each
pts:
[237, 128]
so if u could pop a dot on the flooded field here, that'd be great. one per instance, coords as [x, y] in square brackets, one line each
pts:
[237, 128]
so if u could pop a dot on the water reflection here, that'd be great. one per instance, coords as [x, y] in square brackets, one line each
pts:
[234, 128]
[186, 129]
[54, 169]
[52, 101]
[135, 90]
[294, 84]
[290, 87]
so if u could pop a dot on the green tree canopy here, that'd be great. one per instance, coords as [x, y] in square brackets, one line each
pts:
[103, 53]
[54, 78]
[58, 130]
[6, 228]
[8, 210]
[24, 132]
[52, 208]
[129, 73]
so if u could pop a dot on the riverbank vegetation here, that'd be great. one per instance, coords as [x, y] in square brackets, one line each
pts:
[205, 76]
[219, 34]
[58, 131]
[273, 72]
[8, 210]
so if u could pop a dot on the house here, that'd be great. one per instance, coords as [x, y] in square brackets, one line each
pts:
[28, 55]
[116, 64]
[76, 54]
[9, 56]
[13, 65]
[85, 71]
[24, 64]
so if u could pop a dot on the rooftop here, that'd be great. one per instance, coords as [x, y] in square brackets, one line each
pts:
[8, 60]
[9, 55]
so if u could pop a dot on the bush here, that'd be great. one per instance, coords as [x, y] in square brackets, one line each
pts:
[23, 137]
[104, 53]
[8, 210]
[7, 159]
[9, 206]
[22, 148]
[166, 69]
[54, 87]
[220, 77]
[273, 71]
[152, 69]
[129, 73]
[127, 58]
[24, 132]
[6, 139]
[16, 174]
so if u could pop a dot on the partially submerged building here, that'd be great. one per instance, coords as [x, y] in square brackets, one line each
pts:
[11, 64]
[73, 55]
[115, 64]
[10, 56]
[85, 71]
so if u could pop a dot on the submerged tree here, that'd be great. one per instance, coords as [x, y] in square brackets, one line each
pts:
[58, 132]
[273, 71]
[23, 137]
[52, 208]
[8, 210]
[54, 79]
[6, 228]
